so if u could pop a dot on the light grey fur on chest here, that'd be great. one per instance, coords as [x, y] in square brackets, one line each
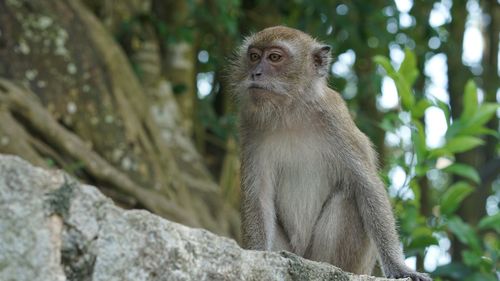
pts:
[299, 172]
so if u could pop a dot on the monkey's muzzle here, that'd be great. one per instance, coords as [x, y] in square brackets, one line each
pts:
[255, 86]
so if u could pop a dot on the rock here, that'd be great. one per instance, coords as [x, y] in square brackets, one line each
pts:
[54, 228]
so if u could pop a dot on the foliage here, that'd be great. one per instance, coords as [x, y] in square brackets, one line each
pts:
[367, 29]
[481, 257]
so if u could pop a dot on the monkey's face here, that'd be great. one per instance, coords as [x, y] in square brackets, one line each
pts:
[279, 65]
[270, 71]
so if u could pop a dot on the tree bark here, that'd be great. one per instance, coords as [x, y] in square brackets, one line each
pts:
[97, 114]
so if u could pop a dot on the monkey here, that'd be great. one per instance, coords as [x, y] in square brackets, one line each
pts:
[309, 176]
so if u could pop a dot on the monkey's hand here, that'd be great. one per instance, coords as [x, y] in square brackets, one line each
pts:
[405, 272]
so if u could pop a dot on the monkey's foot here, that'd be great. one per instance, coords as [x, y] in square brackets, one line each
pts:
[415, 276]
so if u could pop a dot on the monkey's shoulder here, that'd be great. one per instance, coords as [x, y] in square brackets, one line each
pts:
[343, 129]
[334, 109]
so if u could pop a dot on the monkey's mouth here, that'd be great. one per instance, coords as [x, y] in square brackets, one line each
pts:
[254, 86]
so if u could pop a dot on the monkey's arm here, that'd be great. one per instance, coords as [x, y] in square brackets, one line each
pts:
[378, 220]
[258, 212]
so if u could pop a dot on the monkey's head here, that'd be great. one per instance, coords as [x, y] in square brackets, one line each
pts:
[279, 65]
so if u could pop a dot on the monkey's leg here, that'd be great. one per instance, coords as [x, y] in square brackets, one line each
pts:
[378, 220]
[281, 241]
[339, 237]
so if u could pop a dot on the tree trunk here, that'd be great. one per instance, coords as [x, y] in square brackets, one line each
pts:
[490, 169]
[473, 207]
[99, 121]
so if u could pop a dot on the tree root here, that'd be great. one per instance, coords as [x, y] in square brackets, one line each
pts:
[23, 103]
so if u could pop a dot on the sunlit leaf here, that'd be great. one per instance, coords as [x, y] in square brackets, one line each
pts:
[408, 68]
[470, 100]
[475, 124]
[418, 138]
[385, 63]
[456, 145]
[453, 196]
[454, 129]
[415, 187]
[446, 110]
[462, 143]
[479, 130]
[463, 170]
[402, 85]
[419, 110]
[421, 237]
[404, 91]
[483, 114]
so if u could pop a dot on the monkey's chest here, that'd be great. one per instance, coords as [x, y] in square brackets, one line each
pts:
[301, 189]
[299, 168]
[301, 185]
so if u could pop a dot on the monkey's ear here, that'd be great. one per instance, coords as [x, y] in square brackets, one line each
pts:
[322, 58]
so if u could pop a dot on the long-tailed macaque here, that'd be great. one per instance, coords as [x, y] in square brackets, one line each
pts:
[309, 175]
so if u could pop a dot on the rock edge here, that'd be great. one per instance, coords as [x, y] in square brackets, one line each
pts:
[54, 228]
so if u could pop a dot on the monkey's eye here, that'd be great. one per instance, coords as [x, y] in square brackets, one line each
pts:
[254, 57]
[275, 57]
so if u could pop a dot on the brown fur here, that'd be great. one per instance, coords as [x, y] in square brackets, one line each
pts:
[309, 175]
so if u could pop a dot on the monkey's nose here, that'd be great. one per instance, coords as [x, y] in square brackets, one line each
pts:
[256, 74]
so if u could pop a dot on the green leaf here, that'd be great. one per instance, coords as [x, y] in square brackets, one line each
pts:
[456, 145]
[462, 143]
[408, 68]
[463, 170]
[474, 125]
[471, 258]
[404, 91]
[490, 222]
[403, 86]
[419, 110]
[483, 114]
[415, 187]
[470, 100]
[464, 233]
[453, 196]
[454, 270]
[478, 131]
[454, 129]
[385, 63]
[446, 110]
[481, 276]
[437, 152]
[418, 138]
[386, 125]
[486, 264]
[421, 237]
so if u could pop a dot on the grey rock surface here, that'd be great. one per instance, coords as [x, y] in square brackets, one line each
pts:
[54, 228]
